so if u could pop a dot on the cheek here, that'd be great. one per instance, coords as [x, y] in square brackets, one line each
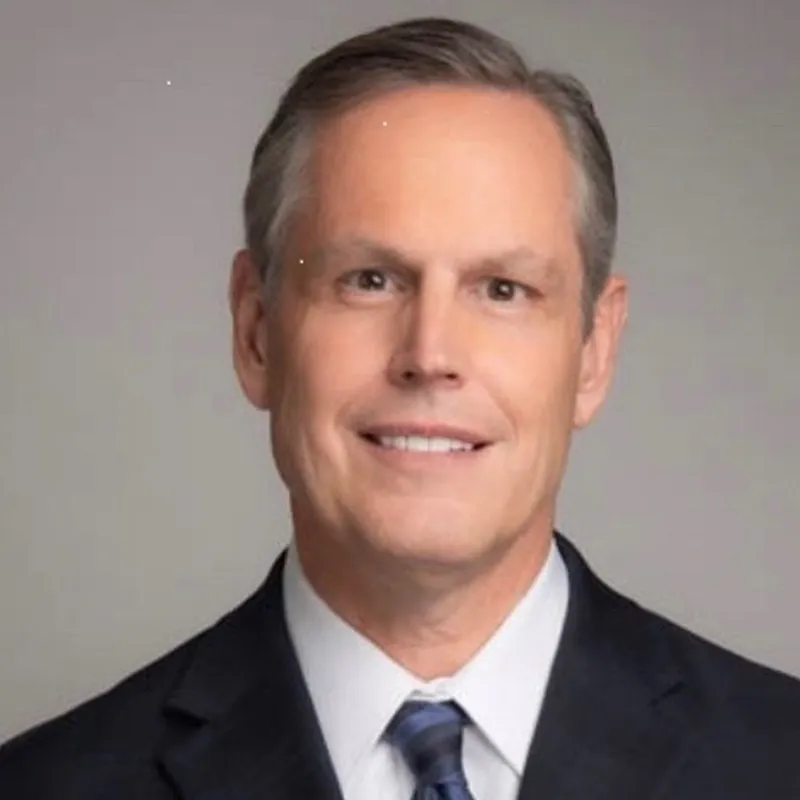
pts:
[534, 384]
[330, 367]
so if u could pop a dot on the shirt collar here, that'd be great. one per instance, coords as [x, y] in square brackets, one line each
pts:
[502, 687]
[356, 688]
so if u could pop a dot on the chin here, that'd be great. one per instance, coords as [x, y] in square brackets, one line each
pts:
[424, 541]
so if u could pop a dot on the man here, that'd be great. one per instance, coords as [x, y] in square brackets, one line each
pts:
[426, 310]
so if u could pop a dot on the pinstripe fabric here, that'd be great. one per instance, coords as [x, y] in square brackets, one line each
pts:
[429, 737]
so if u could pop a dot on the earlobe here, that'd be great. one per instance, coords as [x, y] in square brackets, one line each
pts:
[250, 350]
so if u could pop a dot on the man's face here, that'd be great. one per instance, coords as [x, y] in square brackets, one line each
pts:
[425, 366]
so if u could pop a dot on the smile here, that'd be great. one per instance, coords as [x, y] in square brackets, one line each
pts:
[423, 444]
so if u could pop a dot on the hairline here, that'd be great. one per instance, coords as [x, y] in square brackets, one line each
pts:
[295, 192]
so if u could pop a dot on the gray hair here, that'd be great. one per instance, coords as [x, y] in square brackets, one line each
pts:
[417, 53]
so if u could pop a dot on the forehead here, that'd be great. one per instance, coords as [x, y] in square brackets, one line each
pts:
[445, 170]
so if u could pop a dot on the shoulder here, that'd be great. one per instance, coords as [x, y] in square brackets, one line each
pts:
[743, 717]
[759, 697]
[110, 746]
[105, 740]
[739, 720]
[744, 721]
[650, 643]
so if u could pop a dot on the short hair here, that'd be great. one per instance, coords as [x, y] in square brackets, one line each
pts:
[425, 52]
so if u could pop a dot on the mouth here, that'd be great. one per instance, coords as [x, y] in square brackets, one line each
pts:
[436, 444]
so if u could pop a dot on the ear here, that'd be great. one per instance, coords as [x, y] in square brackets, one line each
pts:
[246, 301]
[600, 350]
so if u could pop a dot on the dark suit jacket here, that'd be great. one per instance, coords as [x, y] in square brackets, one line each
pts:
[636, 709]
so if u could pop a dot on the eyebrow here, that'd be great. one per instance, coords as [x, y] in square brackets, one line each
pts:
[365, 249]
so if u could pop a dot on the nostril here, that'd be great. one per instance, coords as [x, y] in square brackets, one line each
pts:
[415, 376]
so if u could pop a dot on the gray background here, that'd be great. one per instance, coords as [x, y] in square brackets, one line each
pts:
[137, 496]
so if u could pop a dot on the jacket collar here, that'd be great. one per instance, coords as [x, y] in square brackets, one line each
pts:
[253, 731]
[615, 716]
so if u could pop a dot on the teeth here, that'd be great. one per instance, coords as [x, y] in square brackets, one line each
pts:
[424, 444]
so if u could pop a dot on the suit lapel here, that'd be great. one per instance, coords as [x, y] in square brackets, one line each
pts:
[615, 716]
[249, 726]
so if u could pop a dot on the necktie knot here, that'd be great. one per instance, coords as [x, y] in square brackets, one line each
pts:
[429, 735]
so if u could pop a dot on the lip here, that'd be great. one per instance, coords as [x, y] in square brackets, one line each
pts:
[429, 430]
[416, 462]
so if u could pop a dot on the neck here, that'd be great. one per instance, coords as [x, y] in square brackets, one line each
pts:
[431, 620]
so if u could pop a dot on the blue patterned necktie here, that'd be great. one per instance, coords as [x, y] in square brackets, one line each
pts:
[429, 737]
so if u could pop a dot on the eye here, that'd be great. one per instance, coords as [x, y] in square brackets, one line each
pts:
[366, 280]
[504, 290]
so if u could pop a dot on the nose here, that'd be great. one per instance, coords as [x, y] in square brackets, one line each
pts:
[430, 341]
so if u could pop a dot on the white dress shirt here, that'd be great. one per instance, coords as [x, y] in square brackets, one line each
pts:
[356, 689]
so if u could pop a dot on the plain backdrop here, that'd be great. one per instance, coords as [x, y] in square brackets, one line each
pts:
[138, 501]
